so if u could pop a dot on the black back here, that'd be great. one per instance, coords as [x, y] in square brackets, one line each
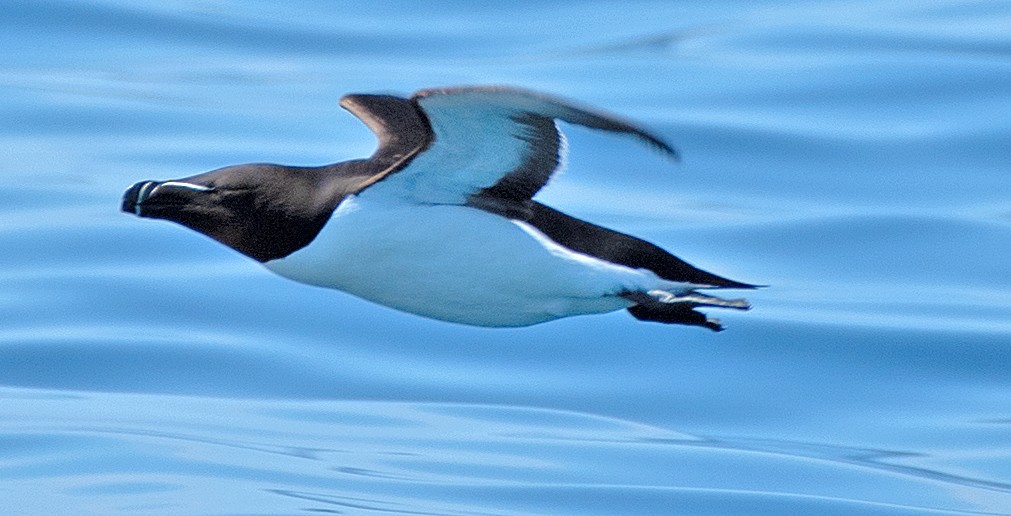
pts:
[620, 248]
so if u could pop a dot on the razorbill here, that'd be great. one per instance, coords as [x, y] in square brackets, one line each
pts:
[440, 221]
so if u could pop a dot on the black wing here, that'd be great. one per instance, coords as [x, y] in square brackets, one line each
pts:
[493, 147]
[399, 126]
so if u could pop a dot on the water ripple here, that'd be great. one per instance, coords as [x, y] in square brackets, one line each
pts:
[430, 450]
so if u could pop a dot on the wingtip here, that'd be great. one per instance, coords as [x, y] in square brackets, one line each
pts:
[349, 97]
[350, 101]
[671, 151]
[559, 108]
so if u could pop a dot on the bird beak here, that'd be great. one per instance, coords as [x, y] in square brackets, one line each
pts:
[154, 192]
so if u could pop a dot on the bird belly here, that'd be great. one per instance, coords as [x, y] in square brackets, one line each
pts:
[457, 263]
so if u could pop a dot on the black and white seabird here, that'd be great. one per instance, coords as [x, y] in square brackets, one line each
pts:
[440, 221]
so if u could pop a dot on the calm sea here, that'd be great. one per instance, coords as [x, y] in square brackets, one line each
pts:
[855, 156]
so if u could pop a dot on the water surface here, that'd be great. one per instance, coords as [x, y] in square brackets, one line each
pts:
[852, 155]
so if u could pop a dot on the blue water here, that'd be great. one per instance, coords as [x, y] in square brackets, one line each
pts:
[852, 155]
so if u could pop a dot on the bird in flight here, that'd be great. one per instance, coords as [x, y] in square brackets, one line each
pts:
[441, 220]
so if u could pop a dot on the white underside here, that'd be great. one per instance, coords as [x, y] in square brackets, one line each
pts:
[459, 264]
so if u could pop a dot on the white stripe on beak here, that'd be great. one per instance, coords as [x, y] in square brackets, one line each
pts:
[191, 186]
[145, 190]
